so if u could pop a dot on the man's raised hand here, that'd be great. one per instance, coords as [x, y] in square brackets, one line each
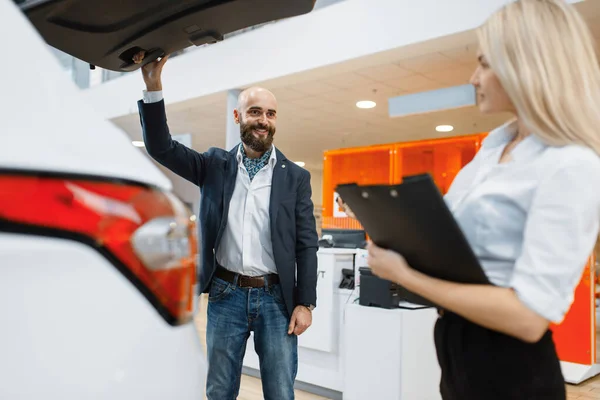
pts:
[151, 71]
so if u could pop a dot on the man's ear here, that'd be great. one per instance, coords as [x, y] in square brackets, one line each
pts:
[236, 116]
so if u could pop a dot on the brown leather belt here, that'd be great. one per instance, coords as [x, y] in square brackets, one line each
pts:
[246, 281]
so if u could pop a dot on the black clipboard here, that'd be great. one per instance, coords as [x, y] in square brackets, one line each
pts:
[412, 218]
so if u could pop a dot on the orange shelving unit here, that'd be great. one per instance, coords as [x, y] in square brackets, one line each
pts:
[387, 164]
[364, 165]
[575, 336]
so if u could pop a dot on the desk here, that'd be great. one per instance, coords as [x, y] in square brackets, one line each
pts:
[390, 354]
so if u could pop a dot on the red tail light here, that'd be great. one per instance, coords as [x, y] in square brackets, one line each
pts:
[147, 233]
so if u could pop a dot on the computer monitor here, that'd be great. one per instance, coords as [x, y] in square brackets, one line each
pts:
[343, 238]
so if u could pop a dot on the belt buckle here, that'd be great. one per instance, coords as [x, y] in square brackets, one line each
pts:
[245, 281]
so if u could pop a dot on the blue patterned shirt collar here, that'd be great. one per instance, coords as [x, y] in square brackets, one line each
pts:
[253, 165]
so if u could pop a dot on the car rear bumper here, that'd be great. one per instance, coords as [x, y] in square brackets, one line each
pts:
[74, 328]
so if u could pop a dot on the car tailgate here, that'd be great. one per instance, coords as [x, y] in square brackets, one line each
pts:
[107, 34]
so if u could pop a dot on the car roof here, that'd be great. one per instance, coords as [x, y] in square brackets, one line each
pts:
[46, 126]
[108, 34]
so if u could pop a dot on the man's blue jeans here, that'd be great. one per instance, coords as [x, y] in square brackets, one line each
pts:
[232, 313]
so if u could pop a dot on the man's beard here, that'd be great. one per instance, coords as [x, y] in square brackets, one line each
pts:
[259, 144]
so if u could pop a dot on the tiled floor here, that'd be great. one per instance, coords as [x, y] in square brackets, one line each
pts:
[251, 388]
[589, 390]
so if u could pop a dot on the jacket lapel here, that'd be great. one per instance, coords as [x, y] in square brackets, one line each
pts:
[277, 186]
[230, 175]
[231, 169]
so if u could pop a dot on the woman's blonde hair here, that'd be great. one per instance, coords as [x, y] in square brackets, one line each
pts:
[544, 56]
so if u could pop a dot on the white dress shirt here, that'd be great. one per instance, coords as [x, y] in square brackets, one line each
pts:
[153, 97]
[246, 246]
[533, 221]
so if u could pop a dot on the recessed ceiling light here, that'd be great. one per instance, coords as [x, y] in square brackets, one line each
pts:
[366, 104]
[444, 128]
[138, 143]
[300, 163]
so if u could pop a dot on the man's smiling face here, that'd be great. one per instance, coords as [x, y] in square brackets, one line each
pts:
[257, 116]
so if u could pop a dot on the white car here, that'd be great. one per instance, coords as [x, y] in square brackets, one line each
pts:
[97, 256]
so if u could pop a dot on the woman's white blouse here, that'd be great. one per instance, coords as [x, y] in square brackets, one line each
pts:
[533, 221]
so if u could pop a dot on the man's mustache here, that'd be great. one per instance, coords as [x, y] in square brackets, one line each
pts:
[260, 126]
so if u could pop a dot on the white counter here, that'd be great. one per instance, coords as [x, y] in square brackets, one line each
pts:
[390, 354]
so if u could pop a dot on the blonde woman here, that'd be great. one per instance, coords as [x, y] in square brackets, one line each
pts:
[528, 203]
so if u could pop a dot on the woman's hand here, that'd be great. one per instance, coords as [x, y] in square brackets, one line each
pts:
[345, 207]
[493, 307]
[388, 264]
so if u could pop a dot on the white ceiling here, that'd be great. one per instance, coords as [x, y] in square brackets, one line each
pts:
[317, 109]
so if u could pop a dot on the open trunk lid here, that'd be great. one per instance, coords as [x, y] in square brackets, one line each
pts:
[108, 33]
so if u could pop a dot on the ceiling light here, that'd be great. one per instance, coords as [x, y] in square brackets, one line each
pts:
[300, 163]
[444, 128]
[138, 143]
[366, 104]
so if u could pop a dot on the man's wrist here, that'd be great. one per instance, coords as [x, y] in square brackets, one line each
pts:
[309, 306]
[157, 87]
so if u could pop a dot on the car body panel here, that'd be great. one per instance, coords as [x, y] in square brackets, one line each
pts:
[73, 325]
[74, 328]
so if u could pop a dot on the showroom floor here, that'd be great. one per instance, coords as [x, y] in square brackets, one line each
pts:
[251, 389]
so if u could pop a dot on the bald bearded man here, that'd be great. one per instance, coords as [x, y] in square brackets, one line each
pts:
[259, 240]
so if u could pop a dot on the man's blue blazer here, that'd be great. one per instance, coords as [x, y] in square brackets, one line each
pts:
[293, 230]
